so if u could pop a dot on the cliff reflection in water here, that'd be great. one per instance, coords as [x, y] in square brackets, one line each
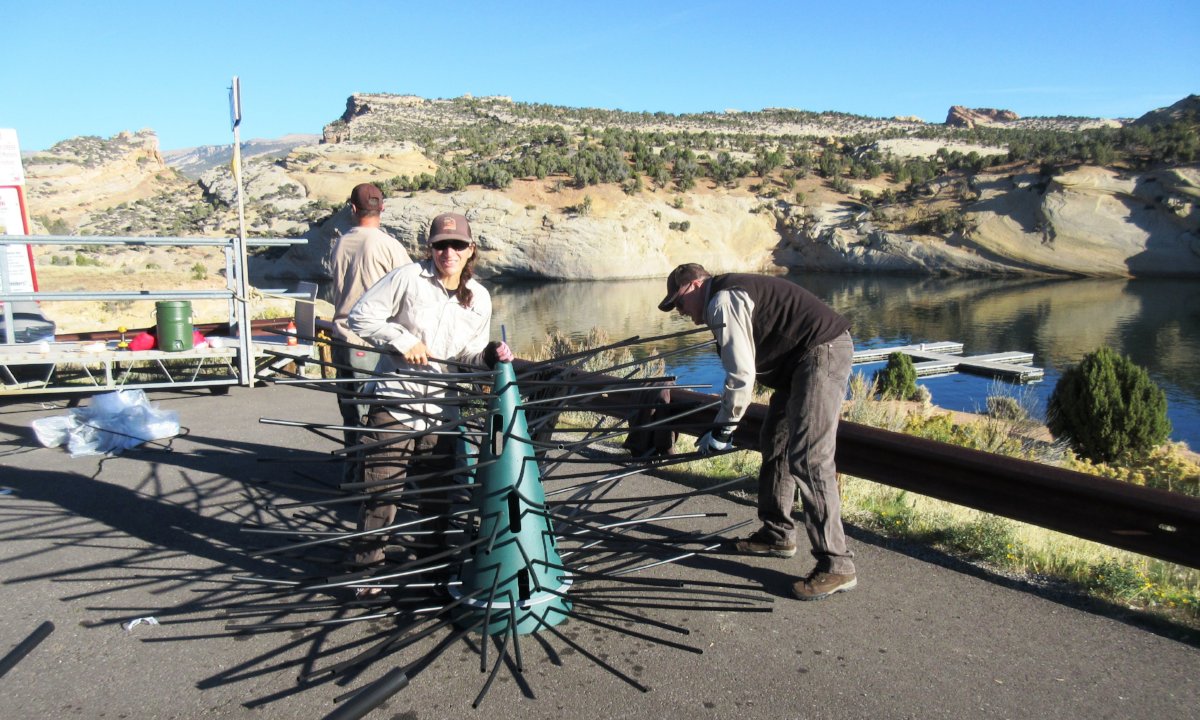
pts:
[1155, 322]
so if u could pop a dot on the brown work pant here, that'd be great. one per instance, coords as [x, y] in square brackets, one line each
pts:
[798, 441]
[386, 469]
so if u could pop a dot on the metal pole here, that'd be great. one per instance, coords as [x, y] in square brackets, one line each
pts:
[9, 329]
[246, 347]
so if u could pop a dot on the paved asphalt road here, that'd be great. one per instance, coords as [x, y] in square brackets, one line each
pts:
[89, 543]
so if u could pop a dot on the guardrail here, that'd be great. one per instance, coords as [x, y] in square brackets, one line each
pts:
[1143, 520]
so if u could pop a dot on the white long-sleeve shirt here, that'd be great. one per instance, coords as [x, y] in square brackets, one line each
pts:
[409, 305]
[729, 314]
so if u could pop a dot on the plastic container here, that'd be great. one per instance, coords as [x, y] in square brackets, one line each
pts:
[174, 323]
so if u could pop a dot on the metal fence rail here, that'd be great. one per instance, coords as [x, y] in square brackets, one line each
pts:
[233, 249]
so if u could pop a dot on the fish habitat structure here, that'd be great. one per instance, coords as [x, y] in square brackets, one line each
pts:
[538, 525]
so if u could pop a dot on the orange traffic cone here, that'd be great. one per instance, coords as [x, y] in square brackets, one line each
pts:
[291, 332]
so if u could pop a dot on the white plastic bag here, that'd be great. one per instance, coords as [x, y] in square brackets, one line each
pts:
[114, 421]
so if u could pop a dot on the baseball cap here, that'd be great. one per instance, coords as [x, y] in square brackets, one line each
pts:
[450, 226]
[679, 277]
[367, 198]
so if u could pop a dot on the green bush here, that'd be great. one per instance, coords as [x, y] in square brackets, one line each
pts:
[897, 381]
[1108, 409]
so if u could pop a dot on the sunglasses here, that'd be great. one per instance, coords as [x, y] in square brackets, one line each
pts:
[679, 298]
[457, 245]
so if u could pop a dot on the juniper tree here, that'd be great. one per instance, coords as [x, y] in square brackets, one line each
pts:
[1108, 408]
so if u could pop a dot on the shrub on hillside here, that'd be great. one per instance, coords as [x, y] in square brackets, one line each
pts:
[1108, 409]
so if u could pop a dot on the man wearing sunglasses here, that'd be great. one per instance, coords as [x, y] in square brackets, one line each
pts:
[771, 331]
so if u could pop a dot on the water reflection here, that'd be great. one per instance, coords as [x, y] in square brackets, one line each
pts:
[1155, 322]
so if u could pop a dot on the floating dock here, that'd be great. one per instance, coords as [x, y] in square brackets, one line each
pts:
[943, 358]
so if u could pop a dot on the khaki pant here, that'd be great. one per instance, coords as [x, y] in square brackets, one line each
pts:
[798, 441]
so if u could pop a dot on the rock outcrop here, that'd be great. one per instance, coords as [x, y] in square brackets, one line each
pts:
[1089, 221]
[1085, 220]
[1186, 110]
[76, 178]
[960, 116]
[620, 237]
[196, 161]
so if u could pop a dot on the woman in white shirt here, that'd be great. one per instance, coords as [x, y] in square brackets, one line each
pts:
[428, 309]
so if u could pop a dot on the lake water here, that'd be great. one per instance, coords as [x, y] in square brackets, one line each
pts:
[1155, 322]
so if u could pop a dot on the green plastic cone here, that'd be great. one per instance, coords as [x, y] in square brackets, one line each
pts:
[509, 502]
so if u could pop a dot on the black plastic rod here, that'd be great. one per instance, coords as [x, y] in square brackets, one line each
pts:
[627, 631]
[28, 644]
[371, 697]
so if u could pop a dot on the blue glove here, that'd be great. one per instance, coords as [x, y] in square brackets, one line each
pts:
[717, 442]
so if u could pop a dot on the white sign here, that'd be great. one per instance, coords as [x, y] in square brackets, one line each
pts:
[12, 222]
[11, 172]
[18, 259]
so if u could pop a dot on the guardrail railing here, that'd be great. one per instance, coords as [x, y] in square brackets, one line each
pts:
[1157, 523]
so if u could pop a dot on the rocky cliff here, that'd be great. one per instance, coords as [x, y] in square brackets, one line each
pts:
[999, 217]
[960, 116]
[1089, 221]
[77, 180]
[194, 162]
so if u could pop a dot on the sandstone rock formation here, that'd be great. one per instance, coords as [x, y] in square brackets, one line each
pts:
[1092, 221]
[1187, 109]
[960, 116]
[196, 161]
[1084, 220]
[1088, 221]
[76, 177]
[377, 117]
[621, 237]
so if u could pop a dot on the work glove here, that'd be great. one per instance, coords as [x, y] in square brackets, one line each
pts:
[717, 441]
[496, 352]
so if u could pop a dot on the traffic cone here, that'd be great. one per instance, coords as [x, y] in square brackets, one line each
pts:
[518, 572]
[291, 332]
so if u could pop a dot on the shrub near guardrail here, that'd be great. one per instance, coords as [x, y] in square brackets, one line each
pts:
[1109, 409]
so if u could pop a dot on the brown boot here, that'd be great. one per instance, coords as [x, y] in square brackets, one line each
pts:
[820, 585]
[761, 543]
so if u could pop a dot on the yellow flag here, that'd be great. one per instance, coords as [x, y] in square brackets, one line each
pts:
[236, 163]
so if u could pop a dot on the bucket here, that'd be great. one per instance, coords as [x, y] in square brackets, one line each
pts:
[174, 319]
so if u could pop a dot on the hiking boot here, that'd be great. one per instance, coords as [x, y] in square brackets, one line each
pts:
[761, 543]
[820, 585]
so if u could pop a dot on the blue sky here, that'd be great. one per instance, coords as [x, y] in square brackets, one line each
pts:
[86, 68]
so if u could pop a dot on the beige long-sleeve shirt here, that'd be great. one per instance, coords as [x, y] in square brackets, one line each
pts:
[729, 313]
[360, 259]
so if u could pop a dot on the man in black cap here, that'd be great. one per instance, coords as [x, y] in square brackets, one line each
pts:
[360, 259]
[776, 333]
